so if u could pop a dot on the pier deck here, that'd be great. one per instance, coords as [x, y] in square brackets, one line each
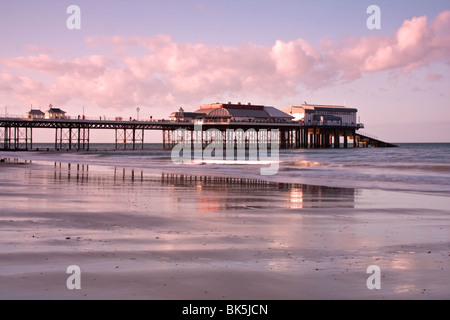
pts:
[75, 134]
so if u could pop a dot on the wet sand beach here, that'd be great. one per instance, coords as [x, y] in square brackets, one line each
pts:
[137, 234]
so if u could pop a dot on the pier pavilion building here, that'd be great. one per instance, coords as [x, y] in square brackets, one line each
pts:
[313, 114]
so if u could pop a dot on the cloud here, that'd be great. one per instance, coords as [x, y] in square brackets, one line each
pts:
[166, 72]
[417, 43]
[434, 77]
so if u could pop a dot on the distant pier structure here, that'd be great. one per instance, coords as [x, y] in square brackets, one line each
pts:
[322, 126]
[302, 126]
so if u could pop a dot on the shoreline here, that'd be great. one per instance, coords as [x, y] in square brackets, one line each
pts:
[181, 170]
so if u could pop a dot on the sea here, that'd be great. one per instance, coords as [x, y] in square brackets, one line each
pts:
[410, 167]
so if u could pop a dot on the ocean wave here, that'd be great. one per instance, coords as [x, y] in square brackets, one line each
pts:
[287, 169]
[398, 166]
[303, 163]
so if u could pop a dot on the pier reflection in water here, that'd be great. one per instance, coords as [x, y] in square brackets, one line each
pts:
[78, 172]
[294, 195]
[215, 193]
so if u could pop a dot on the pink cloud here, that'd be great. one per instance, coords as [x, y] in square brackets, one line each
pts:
[433, 77]
[186, 73]
[417, 43]
[21, 88]
[88, 66]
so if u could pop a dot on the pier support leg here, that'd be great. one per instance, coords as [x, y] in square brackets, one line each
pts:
[130, 139]
[70, 138]
[305, 138]
[79, 138]
[56, 139]
[336, 139]
[4, 139]
[88, 138]
[115, 130]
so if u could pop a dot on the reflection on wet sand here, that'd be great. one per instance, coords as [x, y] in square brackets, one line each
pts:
[216, 193]
[180, 236]
[296, 195]
[81, 170]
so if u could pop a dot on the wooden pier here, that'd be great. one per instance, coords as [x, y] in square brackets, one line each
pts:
[17, 133]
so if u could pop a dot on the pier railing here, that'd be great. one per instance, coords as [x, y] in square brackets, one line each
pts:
[184, 122]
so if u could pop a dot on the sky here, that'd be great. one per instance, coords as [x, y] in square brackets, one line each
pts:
[163, 55]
